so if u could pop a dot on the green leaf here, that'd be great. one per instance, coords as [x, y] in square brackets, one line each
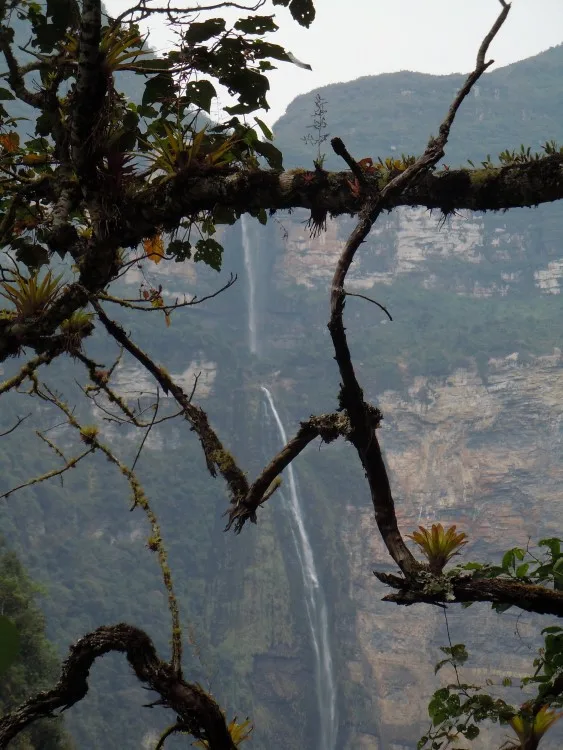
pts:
[153, 63]
[508, 559]
[44, 123]
[558, 580]
[471, 732]
[201, 32]
[159, 87]
[522, 570]
[459, 653]
[31, 254]
[272, 155]
[224, 215]
[210, 252]
[9, 643]
[471, 566]
[303, 11]
[265, 129]
[440, 664]
[262, 49]
[147, 111]
[201, 93]
[553, 544]
[181, 250]
[256, 24]
[439, 717]
[5, 95]
[251, 88]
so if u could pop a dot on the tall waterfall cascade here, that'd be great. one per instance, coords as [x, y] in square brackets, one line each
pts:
[315, 603]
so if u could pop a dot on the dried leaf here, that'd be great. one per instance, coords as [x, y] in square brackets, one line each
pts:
[10, 142]
[154, 248]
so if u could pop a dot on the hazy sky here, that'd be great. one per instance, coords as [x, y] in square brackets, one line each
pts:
[352, 38]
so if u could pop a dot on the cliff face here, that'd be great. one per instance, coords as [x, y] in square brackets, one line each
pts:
[487, 458]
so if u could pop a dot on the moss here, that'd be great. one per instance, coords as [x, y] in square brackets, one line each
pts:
[224, 461]
[481, 176]
[89, 433]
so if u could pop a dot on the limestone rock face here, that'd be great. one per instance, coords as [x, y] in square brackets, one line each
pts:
[489, 459]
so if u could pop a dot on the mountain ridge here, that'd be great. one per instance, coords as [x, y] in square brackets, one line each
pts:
[489, 121]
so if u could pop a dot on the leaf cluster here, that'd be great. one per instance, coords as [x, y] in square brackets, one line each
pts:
[544, 566]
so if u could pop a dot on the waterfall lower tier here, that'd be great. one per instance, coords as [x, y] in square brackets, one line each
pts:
[249, 267]
[314, 600]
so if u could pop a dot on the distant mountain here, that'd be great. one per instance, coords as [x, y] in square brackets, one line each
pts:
[396, 112]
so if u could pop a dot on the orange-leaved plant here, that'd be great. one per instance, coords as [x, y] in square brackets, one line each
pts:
[438, 544]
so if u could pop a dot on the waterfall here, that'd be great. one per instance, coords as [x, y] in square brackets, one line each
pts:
[315, 604]
[249, 266]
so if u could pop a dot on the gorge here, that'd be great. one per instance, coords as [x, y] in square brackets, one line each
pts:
[284, 623]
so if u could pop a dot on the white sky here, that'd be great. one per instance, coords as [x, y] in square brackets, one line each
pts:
[353, 38]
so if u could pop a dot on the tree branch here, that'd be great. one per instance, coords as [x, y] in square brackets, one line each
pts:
[488, 189]
[364, 419]
[91, 89]
[15, 76]
[196, 710]
[436, 589]
[525, 185]
[217, 458]
[326, 426]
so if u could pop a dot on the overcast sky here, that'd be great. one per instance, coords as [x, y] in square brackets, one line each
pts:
[353, 38]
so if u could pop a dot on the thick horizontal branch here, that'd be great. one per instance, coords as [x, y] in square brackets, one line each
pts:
[162, 207]
[424, 587]
[164, 204]
[195, 709]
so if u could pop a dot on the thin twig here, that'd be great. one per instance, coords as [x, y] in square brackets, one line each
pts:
[70, 464]
[192, 393]
[130, 304]
[369, 299]
[20, 420]
[51, 445]
[177, 727]
[90, 436]
[151, 425]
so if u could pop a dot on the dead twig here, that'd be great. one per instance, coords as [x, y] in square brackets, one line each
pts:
[369, 299]
[15, 427]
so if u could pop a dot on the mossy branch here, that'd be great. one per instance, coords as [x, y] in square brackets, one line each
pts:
[89, 435]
